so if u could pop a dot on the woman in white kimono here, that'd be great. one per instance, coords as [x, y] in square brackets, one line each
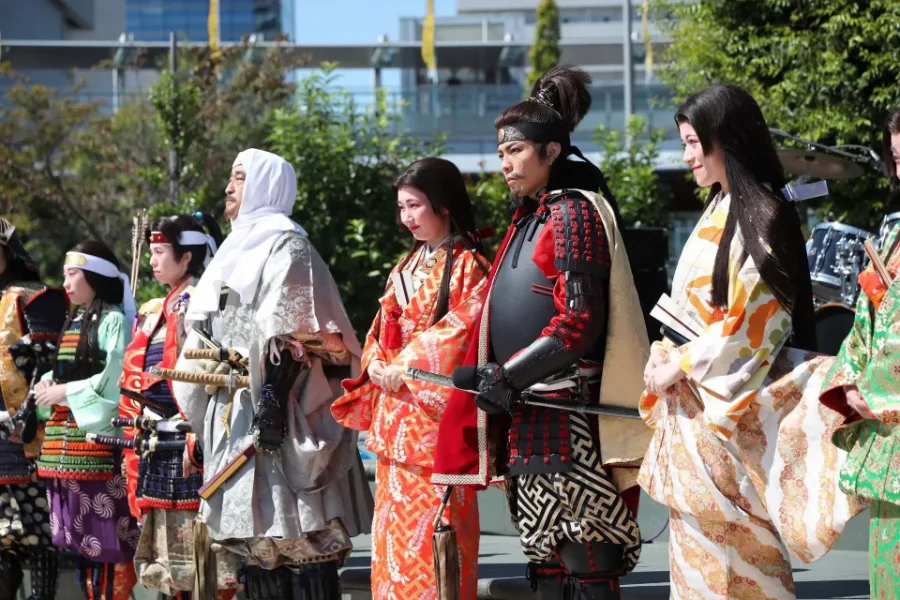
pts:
[735, 439]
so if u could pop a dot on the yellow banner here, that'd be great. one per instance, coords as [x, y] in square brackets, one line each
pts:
[428, 37]
[212, 23]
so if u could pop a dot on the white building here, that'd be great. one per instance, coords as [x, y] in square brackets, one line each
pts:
[477, 94]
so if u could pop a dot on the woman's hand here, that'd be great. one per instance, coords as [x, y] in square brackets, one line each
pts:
[858, 403]
[43, 385]
[393, 378]
[376, 372]
[663, 379]
[187, 465]
[50, 395]
[658, 356]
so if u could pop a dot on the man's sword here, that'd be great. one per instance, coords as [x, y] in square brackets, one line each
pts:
[532, 399]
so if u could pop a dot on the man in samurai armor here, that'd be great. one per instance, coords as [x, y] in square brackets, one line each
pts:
[284, 487]
[561, 323]
[32, 317]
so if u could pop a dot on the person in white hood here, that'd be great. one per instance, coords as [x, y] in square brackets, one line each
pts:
[289, 510]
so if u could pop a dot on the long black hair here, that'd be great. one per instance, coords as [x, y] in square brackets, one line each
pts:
[107, 291]
[173, 227]
[891, 127]
[726, 117]
[443, 184]
[560, 99]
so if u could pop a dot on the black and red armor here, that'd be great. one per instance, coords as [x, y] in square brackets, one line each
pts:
[548, 313]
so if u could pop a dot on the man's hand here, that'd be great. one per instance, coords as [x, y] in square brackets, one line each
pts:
[858, 403]
[495, 396]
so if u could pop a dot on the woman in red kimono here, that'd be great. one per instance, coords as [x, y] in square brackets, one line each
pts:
[430, 303]
[160, 493]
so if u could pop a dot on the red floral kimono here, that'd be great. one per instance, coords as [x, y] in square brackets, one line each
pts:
[402, 427]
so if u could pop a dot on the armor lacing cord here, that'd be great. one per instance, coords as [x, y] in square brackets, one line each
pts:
[524, 222]
[273, 348]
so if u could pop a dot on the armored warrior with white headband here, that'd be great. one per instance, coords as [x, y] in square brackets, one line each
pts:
[89, 512]
[561, 321]
[283, 487]
[160, 491]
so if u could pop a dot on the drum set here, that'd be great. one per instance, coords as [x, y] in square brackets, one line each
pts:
[834, 250]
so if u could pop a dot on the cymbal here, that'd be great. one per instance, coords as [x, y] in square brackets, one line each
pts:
[818, 164]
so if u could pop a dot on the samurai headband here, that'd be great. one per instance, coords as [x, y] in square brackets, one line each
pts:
[95, 264]
[186, 238]
[540, 133]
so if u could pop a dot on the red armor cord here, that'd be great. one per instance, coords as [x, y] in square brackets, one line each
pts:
[581, 262]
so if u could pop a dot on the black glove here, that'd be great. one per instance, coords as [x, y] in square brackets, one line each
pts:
[495, 395]
[268, 422]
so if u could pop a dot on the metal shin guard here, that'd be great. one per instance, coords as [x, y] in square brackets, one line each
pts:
[10, 576]
[593, 569]
[319, 581]
[548, 580]
[44, 573]
[267, 584]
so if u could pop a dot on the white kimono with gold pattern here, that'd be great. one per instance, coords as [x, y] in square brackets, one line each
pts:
[743, 456]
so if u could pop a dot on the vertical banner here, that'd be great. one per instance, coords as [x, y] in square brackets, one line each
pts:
[428, 56]
[645, 25]
[212, 24]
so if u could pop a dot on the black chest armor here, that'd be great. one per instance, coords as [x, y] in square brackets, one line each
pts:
[521, 304]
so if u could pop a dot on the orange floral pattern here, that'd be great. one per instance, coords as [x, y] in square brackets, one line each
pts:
[742, 455]
[402, 426]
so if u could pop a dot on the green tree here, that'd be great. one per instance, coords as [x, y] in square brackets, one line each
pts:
[544, 53]
[346, 158]
[61, 169]
[491, 200]
[630, 172]
[823, 71]
[214, 106]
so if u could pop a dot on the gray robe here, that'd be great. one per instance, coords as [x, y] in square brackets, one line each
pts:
[314, 487]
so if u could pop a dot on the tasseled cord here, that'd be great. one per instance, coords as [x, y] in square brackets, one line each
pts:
[393, 335]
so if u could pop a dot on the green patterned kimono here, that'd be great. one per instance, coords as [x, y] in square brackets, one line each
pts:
[870, 360]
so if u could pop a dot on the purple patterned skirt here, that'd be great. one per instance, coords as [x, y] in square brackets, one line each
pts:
[92, 518]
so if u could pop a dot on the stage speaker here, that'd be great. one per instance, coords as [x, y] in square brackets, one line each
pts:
[648, 253]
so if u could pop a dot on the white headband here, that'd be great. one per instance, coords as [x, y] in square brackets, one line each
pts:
[185, 238]
[101, 266]
[88, 262]
[189, 238]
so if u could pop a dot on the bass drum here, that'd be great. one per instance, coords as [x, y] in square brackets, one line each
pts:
[833, 324]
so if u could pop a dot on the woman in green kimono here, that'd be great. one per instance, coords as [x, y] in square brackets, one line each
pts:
[89, 512]
[864, 386]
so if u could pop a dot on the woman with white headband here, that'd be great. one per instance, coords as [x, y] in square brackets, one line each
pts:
[160, 492]
[88, 501]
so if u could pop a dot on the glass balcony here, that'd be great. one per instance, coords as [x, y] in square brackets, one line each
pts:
[465, 114]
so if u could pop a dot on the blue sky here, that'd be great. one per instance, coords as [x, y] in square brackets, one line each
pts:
[359, 21]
